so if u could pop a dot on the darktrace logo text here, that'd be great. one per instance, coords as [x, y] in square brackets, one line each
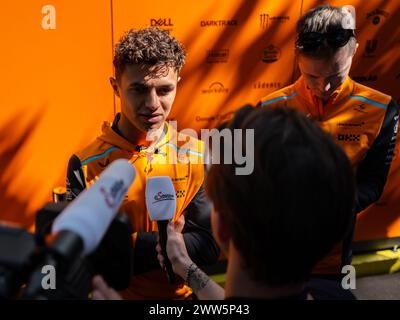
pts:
[219, 23]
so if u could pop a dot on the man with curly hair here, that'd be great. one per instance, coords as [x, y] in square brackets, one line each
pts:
[257, 217]
[147, 65]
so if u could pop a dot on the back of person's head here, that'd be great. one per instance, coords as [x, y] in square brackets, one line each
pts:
[295, 205]
[323, 30]
[150, 47]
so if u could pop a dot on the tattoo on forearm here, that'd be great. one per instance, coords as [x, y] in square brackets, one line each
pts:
[196, 278]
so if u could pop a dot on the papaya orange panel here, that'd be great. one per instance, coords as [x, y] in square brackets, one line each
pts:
[238, 51]
[54, 93]
[378, 65]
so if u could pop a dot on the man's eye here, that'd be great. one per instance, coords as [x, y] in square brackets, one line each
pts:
[164, 91]
[140, 89]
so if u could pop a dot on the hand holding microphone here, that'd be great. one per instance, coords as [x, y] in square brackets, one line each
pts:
[161, 204]
[176, 248]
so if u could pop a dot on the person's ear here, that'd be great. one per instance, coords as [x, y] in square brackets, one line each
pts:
[355, 48]
[223, 230]
[114, 85]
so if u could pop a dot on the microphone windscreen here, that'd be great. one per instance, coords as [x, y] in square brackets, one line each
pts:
[91, 213]
[160, 198]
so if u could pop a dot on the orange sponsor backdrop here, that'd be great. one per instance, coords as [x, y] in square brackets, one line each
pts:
[56, 63]
[54, 94]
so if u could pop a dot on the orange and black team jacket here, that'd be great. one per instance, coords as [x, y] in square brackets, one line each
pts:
[361, 120]
[175, 155]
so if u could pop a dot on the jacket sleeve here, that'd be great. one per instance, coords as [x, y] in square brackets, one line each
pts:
[75, 178]
[200, 244]
[373, 170]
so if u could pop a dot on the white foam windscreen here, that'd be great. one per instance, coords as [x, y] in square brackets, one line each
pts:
[92, 212]
[160, 198]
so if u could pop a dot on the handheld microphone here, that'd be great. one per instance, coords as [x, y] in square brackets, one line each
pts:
[161, 204]
[80, 227]
[91, 213]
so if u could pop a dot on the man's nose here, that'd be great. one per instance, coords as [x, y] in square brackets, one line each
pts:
[327, 86]
[324, 85]
[152, 101]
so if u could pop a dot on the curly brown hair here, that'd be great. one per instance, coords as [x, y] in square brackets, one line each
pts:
[148, 46]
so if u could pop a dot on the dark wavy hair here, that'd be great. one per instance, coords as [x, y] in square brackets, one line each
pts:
[297, 203]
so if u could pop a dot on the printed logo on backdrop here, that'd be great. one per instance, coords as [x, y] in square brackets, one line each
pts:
[218, 117]
[270, 54]
[162, 23]
[370, 48]
[215, 88]
[366, 78]
[267, 21]
[377, 16]
[219, 23]
[217, 56]
[266, 85]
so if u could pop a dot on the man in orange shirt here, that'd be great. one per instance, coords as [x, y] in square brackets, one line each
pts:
[147, 65]
[362, 120]
[255, 216]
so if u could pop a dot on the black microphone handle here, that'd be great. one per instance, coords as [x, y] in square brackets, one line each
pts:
[162, 231]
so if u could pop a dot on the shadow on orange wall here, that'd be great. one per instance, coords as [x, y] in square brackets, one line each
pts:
[14, 206]
[68, 68]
